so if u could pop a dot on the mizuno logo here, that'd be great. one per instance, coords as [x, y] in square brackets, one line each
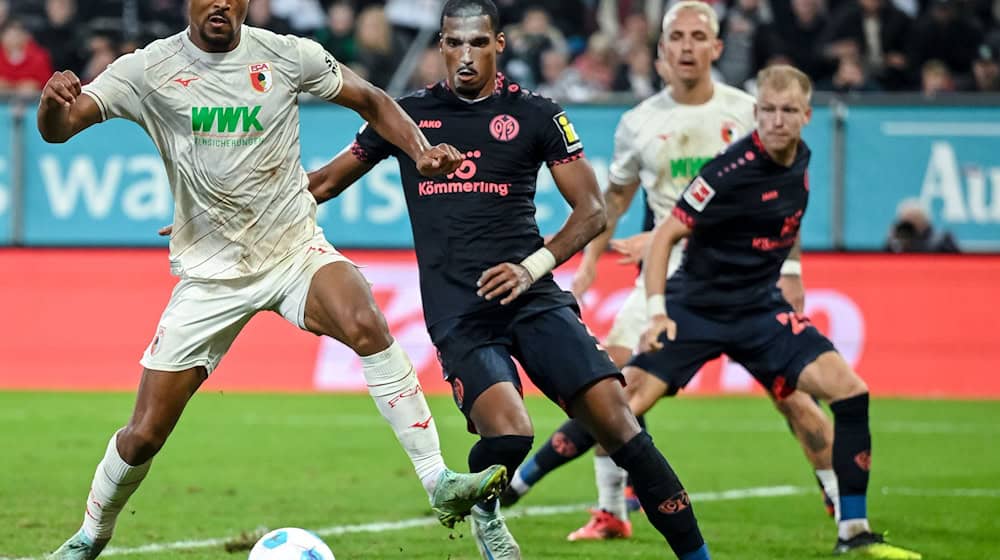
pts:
[186, 82]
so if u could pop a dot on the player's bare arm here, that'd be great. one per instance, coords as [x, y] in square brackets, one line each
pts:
[578, 185]
[665, 237]
[388, 119]
[63, 111]
[632, 249]
[333, 178]
[617, 199]
[792, 287]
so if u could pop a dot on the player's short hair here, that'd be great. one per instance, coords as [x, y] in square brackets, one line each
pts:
[696, 5]
[781, 76]
[472, 8]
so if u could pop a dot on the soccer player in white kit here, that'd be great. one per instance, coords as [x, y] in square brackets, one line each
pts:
[220, 102]
[661, 144]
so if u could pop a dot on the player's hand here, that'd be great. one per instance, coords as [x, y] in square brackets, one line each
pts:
[583, 279]
[61, 90]
[439, 160]
[633, 249]
[506, 278]
[794, 291]
[658, 324]
[165, 231]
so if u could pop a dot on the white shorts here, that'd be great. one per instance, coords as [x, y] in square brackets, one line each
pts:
[630, 322]
[203, 317]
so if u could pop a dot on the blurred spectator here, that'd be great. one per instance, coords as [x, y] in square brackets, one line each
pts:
[912, 232]
[102, 53]
[876, 30]
[376, 60]
[526, 41]
[798, 41]
[597, 64]
[4, 12]
[935, 78]
[849, 77]
[305, 16]
[160, 18]
[60, 36]
[946, 35]
[636, 75]
[430, 69]
[24, 65]
[562, 82]
[986, 69]
[259, 14]
[635, 34]
[338, 35]
[737, 32]
[408, 17]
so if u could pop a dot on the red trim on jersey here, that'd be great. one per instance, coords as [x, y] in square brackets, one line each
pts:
[757, 143]
[683, 216]
[573, 157]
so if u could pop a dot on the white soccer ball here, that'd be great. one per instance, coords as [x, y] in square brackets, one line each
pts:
[290, 543]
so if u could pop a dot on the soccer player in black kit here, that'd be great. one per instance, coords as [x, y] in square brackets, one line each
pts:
[741, 216]
[485, 280]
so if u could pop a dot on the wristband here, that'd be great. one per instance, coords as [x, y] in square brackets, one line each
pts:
[791, 267]
[539, 263]
[656, 305]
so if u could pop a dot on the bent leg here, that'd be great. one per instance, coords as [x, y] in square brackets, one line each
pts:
[814, 431]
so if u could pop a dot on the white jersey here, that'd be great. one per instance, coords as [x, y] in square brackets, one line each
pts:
[227, 128]
[663, 144]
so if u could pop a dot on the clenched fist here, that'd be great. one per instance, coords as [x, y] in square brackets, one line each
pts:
[61, 90]
[439, 160]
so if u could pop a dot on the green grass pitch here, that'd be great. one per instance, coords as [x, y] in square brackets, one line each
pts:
[238, 462]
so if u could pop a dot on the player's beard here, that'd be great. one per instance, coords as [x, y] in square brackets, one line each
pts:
[220, 40]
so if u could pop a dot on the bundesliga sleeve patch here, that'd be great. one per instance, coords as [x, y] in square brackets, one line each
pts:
[569, 135]
[698, 194]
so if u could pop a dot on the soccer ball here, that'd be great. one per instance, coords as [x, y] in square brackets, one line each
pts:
[290, 544]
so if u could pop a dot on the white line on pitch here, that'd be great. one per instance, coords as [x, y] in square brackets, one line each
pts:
[943, 492]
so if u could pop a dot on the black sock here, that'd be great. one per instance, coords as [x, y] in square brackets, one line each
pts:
[508, 451]
[663, 498]
[567, 443]
[642, 424]
[852, 444]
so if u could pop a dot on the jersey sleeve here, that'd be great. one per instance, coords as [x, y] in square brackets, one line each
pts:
[118, 91]
[626, 163]
[700, 206]
[321, 74]
[558, 141]
[370, 147]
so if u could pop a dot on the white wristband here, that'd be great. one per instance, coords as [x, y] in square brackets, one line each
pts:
[656, 305]
[539, 263]
[791, 267]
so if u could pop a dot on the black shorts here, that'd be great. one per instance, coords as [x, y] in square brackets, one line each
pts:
[555, 348]
[773, 344]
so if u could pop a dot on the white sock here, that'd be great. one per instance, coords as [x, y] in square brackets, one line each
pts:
[393, 385]
[611, 481]
[114, 482]
[851, 527]
[518, 484]
[828, 479]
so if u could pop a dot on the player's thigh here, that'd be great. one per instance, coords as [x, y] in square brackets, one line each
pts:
[642, 389]
[199, 324]
[775, 345]
[699, 339]
[475, 359]
[831, 378]
[628, 326]
[559, 353]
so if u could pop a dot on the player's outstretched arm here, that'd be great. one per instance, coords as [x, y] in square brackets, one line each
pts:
[333, 178]
[665, 237]
[392, 123]
[792, 287]
[63, 111]
[616, 202]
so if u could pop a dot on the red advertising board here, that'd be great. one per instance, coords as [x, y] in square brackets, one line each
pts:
[79, 320]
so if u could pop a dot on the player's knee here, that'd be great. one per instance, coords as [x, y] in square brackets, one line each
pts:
[138, 444]
[366, 331]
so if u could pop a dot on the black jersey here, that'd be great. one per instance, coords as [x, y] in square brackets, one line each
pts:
[744, 210]
[484, 213]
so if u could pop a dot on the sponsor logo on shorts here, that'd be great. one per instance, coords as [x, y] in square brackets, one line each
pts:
[680, 502]
[504, 128]
[768, 196]
[260, 77]
[864, 460]
[563, 445]
[154, 346]
[458, 390]
[699, 193]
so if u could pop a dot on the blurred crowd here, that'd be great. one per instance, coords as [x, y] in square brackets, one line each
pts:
[572, 50]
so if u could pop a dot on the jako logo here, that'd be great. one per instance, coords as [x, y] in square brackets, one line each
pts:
[429, 124]
[226, 119]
